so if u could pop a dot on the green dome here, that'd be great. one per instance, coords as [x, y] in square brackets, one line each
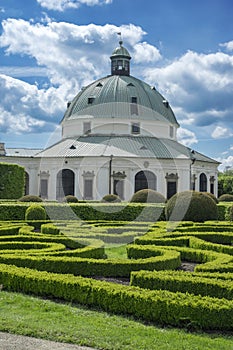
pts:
[121, 51]
[112, 96]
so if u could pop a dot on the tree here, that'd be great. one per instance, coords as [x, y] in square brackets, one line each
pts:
[225, 183]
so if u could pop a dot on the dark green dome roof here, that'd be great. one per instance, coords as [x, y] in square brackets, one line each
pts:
[121, 51]
[111, 97]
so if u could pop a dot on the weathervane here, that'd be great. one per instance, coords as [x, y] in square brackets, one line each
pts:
[120, 38]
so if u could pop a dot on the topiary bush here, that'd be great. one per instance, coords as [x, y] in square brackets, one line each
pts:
[30, 198]
[229, 213]
[226, 198]
[50, 229]
[35, 213]
[191, 206]
[148, 196]
[12, 181]
[111, 198]
[70, 199]
[212, 196]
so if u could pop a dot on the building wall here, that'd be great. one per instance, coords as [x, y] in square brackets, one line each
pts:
[98, 170]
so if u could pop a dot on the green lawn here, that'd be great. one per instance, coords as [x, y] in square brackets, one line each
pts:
[76, 324]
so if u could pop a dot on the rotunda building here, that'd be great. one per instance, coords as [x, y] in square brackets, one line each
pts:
[119, 135]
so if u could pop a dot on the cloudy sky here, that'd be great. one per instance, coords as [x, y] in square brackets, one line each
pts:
[49, 49]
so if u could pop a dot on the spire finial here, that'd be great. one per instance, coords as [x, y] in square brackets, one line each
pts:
[120, 38]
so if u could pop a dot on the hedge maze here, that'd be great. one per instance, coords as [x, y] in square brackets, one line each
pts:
[65, 260]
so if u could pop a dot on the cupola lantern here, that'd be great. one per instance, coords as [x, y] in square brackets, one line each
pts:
[120, 61]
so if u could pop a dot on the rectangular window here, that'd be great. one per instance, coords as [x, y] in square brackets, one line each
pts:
[118, 188]
[120, 64]
[134, 100]
[88, 188]
[44, 188]
[171, 131]
[91, 100]
[135, 128]
[86, 128]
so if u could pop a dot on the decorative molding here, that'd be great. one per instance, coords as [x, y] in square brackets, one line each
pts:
[44, 174]
[88, 174]
[171, 177]
[118, 175]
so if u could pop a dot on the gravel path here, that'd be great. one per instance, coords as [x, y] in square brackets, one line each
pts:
[18, 342]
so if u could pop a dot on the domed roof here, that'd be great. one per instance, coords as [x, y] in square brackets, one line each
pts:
[114, 95]
[120, 51]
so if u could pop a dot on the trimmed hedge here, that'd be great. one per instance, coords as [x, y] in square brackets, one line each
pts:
[148, 196]
[12, 181]
[226, 198]
[178, 281]
[87, 212]
[93, 267]
[111, 198]
[163, 307]
[191, 206]
[30, 198]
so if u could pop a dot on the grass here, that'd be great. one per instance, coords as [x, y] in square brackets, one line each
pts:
[76, 324]
[116, 252]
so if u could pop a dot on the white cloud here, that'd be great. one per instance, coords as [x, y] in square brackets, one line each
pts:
[20, 124]
[228, 45]
[221, 132]
[25, 108]
[225, 163]
[200, 86]
[62, 5]
[71, 56]
[186, 137]
[144, 52]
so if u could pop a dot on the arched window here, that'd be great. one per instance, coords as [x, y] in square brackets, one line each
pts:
[203, 183]
[145, 179]
[65, 183]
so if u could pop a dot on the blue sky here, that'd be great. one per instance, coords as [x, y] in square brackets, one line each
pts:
[49, 49]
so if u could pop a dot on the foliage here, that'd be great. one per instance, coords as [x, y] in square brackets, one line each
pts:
[212, 196]
[161, 306]
[86, 211]
[148, 196]
[226, 198]
[70, 199]
[188, 282]
[111, 198]
[49, 229]
[35, 215]
[230, 214]
[30, 198]
[225, 183]
[12, 181]
[191, 206]
[52, 265]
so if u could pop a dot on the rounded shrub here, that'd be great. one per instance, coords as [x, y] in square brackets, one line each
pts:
[70, 199]
[148, 196]
[191, 206]
[226, 198]
[50, 229]
[111, 198]
[35, 215]
[30, 198]
[212, 196]
[230, 213]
